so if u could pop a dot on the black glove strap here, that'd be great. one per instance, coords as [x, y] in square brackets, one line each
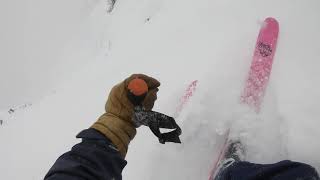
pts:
[155, 121]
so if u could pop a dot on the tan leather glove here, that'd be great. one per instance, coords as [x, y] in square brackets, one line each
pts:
[117, 124]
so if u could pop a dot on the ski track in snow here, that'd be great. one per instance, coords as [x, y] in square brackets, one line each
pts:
[65, 64]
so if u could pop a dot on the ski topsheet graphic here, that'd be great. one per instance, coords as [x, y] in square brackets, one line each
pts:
[257, 80]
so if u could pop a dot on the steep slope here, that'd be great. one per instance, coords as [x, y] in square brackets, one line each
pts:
[175, 41]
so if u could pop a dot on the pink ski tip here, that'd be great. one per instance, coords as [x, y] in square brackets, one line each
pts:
[272, 23]
[271, 19]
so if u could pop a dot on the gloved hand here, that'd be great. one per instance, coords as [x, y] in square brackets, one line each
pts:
[117, 124]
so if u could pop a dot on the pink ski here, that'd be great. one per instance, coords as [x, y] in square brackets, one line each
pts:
[261, 64]
[258, 77]
[185, 98]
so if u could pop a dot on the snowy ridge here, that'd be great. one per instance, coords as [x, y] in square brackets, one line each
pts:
[82, 51]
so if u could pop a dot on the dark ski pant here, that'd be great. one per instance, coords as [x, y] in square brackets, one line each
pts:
[284, 170]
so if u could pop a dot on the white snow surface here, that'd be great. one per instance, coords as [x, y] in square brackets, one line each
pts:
[62, 58]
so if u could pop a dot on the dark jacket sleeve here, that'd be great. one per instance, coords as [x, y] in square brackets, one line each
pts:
[95, 158]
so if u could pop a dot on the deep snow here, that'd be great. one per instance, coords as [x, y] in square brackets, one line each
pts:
[64, 57]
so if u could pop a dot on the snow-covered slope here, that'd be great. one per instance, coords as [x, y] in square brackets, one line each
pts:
[74, 52]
